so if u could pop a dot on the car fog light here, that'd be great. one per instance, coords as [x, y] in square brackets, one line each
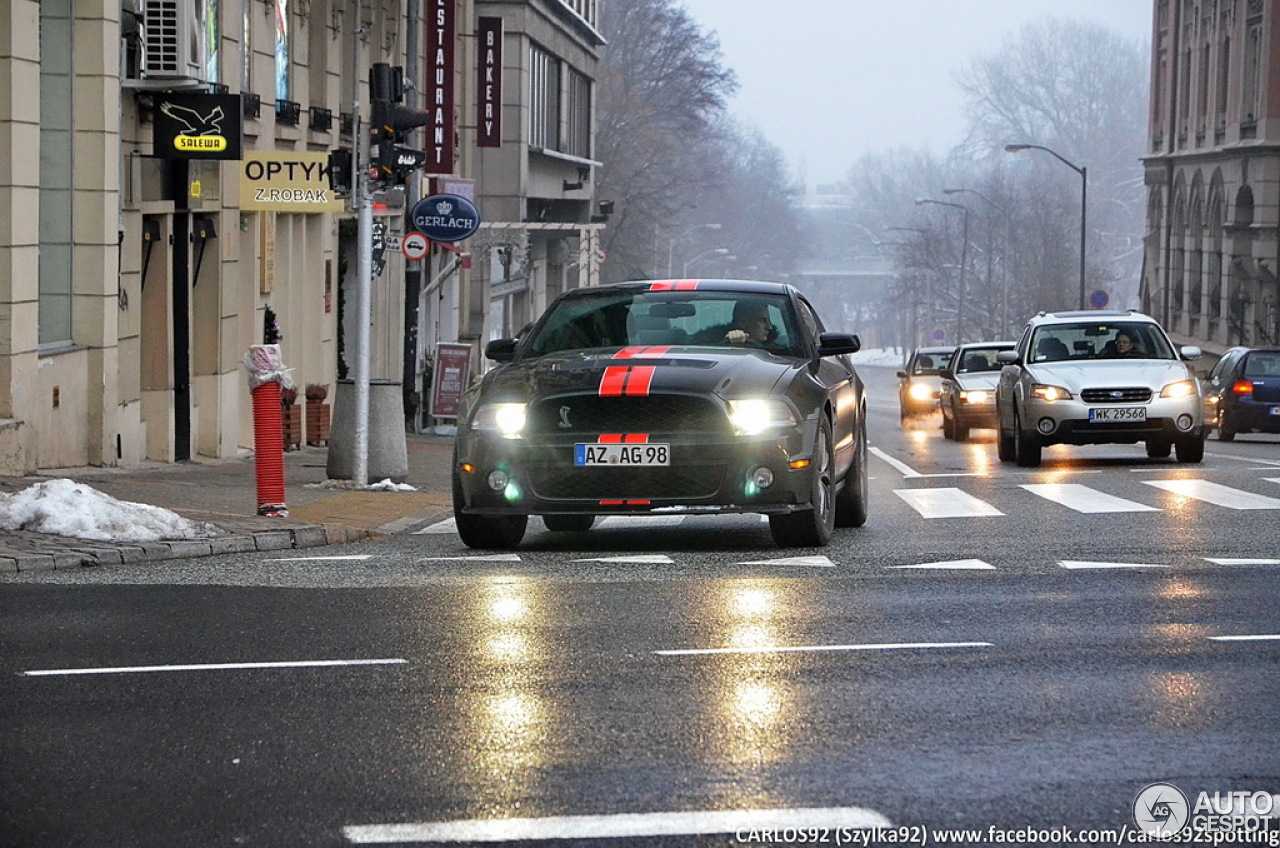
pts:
[762, 477]
[1185, 422]
[1046, 425]
[498, 480]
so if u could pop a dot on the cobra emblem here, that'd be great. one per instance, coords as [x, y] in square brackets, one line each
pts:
[564, 418]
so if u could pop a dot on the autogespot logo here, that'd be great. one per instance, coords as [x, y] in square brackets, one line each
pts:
[1161, 809]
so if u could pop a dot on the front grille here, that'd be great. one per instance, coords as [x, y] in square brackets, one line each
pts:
[590, 414]
[568, 482]
[1139, 394]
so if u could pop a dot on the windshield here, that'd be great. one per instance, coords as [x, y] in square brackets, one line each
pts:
[1262, 364]
[1099, 340]
[978, 359]
[614, 319]
[931, 362]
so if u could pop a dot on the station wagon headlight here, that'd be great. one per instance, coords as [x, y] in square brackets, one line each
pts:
[753, 416]
[1042, 391]
[920, 391]
[976, 396]
[1180, 389]
[506, 419]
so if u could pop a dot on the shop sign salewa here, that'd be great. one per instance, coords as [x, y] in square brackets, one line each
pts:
[280, 181]
[197, 126]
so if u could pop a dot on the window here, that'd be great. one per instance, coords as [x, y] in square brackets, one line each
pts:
[246, 48]
[578, 116]
[544, 99]
[212, 17]
[56, 172]
[282, 49]
[1249, 88]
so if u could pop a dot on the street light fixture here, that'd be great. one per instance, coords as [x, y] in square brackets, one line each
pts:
[671, 246]
[1084, 194]
[964, 259]
[715, 251]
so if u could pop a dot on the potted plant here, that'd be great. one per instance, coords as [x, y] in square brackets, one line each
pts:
[290, 418]
[317, 414]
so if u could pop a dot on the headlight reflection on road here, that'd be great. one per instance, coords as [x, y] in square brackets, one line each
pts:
[1180, 700]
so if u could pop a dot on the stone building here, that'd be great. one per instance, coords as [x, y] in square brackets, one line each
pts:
[137, 266]
[1213, 172]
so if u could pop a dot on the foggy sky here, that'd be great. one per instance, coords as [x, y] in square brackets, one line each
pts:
[828, 81]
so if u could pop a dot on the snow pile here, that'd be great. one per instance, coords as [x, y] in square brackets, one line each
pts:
[67, 508]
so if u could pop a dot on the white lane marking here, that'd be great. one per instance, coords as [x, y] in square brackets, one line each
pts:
[138, 669]
[654, 558]
[946, 503]
[793, 649]
[1271, 463]
[321, 558]
[906, 470]
[449, 525]
[1260, 637]
[810, 561]
[1077, 565]
[479, 558]
[952, 565]
[620, 826]
[638, 522]
[1084, 499]
[1215, 493]
[1231, 561]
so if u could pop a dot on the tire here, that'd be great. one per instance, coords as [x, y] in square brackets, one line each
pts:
[960, 432]
[486, 532]
[1190, 449]
[1225, 432]
[948, 427]
[562, 523]
[1159, 448]
[1026, 446]
[813, 527]
[851, 503]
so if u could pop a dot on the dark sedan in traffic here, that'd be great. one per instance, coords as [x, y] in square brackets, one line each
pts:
[1243, 392]
[665, 397]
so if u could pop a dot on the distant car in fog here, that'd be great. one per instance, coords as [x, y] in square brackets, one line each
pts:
[1242, 392]
[968, 393]
[920, 382]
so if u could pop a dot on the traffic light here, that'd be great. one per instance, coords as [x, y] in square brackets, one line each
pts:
[390, 123]
[340, 171]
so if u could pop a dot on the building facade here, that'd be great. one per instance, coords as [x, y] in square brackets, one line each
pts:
[133, 279]
[1213, 172]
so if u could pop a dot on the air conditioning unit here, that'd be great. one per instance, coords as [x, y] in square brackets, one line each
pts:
[176, 46]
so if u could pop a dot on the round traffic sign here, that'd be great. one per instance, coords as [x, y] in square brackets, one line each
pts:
[415, 246]
[1099, 299]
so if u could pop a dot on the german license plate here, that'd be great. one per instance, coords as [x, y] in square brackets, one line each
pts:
[1118, 413]
[593, 454]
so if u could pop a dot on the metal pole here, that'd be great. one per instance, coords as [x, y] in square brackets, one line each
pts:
[364, 270]
[1084, 193]
[964, 260]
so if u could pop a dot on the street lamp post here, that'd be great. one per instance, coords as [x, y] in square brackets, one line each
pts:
[715, 251]
[1084, 195]
[964, 260]
[1004, 267]
[671, 245]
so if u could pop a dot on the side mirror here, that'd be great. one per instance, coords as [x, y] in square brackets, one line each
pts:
[836, 344]
[947, 374]
[500, 350]
[1008, 357]
[902, 375]
[1190, 352]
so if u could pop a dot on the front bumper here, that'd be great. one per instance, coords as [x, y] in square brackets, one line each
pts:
[977, 415]
[706, 475]
[1068, 421]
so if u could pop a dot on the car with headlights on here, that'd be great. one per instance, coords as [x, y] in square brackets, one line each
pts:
[1242, 392]
[660, 398]
[1095, 377]
[920, 382]
[967, 395]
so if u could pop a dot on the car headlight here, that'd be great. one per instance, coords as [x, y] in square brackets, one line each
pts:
[1180, 389]
[976, 396]
[920, 391]
[506, 419]
[1049, 393]
[753, 416]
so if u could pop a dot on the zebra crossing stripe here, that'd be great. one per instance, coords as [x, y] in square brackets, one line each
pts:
[449, 525]
[1215, 493]
[1078, 565]
[951, 565]
[946, 503]
[1085, 499]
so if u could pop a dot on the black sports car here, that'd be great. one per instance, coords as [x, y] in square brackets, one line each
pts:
[660, 398]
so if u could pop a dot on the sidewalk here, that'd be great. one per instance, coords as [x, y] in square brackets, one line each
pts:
[224, 493]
